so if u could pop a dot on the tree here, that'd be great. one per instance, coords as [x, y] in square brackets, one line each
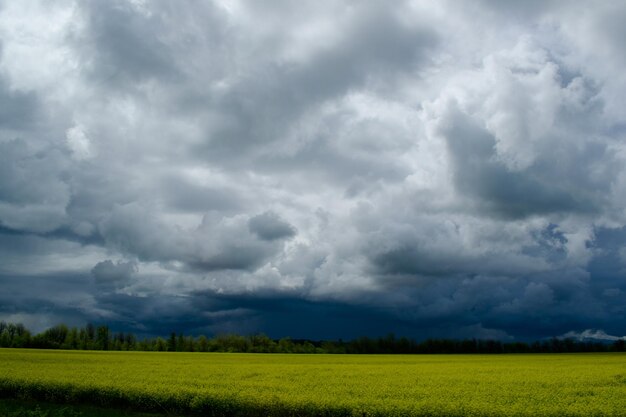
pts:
[171, 343]
[91, 332]
[22, 338]
[230, 343]
[160, 345]
[14, 335]
[130, 342]
[103, 339]
[72, 339]
[118, 341]
[285, 345]
[143, 345]
[180, 343]
[202, 344]
[83, 342]
[189, 344]
[262, 344]
[5, 338]
[54, 337]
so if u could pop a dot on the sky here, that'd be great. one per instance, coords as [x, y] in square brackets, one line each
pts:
[315, 169]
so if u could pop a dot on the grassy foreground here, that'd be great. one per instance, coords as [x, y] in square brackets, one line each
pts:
[17, 408]
[276, 384]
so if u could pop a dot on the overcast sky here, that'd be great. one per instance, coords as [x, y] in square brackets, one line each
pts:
[314, 169]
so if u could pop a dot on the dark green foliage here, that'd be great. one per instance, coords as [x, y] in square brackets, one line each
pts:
[171, 343]
[14, 335]
[66, 400]
[14, 408]
[101, 338]
[91, 332]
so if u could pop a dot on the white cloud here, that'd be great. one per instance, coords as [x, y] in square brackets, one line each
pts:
[591, 334]
[78, 143]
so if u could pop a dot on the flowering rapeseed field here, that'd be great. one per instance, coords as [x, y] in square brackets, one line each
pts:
[348, 385]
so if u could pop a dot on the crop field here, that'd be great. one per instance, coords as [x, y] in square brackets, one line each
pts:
[17, 408]
[358, 385]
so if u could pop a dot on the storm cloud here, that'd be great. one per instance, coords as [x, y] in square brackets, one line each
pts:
[314, 169]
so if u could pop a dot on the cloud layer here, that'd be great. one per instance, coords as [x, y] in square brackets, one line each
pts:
[314, 169]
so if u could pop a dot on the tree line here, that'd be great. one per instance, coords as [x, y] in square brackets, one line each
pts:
[92, 337]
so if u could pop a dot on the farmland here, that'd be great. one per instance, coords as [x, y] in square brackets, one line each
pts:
[276, 384]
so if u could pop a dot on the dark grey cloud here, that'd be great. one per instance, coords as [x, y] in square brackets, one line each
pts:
[33, 192]
[217, 243]
[186, 196]
[374, 47]
[516, 10]
[121, 46]
[479, 175]
[18, 109]
[109, 273]
[269, 226]
[314, 169]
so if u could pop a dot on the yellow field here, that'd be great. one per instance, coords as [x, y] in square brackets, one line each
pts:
[275, 384]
